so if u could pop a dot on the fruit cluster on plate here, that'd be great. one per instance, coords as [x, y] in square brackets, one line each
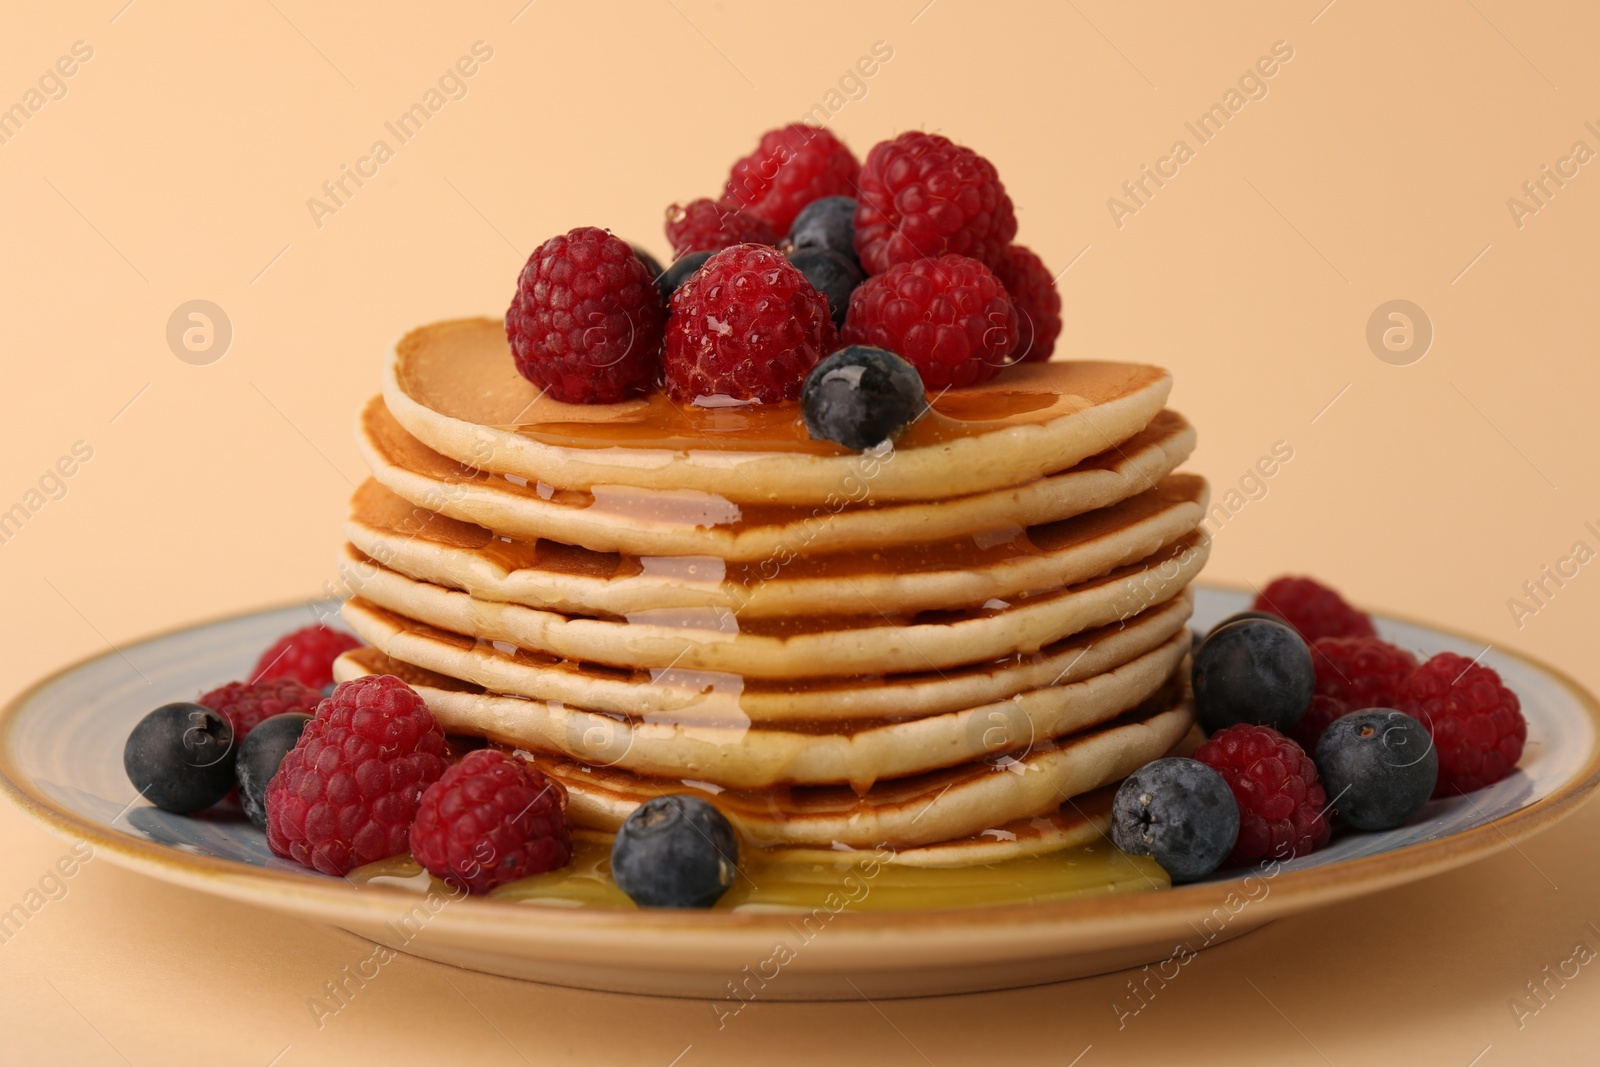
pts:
[340, 776]
[1314, 722]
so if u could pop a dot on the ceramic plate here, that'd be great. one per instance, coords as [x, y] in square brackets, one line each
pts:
[61, 762]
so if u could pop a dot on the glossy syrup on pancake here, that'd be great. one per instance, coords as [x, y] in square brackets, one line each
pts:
[966, 571]
[454, 387]
[677, 694]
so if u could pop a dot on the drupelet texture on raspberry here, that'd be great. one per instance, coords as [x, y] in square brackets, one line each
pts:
[1323, 710]
[1363, 672]
[491, 819]
[246, 704]
[1475, 721]
[1281, 802]
[791, 167]
[708, 225]
[1313, 609]
[747, 325]
[1033, 293]
[345, 795]
[585, 324]
[949, 317]
[923, 195]
[305, 655]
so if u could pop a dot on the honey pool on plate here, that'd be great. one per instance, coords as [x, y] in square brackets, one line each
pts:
[863, 882]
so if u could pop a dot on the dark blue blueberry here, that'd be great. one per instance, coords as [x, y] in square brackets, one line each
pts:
[861, 396]
[1378, 768]
[1253, 670]
[649, 261]
[675, 852]
[1180, 813]
[259, 756]
[327, 690]
[180, 757]
[1236, 616]
[675, 275]
[828, 224]
[832, 275]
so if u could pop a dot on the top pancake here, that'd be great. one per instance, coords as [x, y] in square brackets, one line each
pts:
[656, 522]
[453, 385]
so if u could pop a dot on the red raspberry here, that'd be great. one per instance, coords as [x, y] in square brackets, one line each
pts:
[707, 225]
[949, 317]
[585, 324]
[747, 325]
[491, 819]
[922, 195]
[345, 795]
[1363, 672]
[1475, 721]
[1323, 710]
[791, 167]
[1281, 802]
[305, 655]
[1033, 293]
[246, 704]
[1313, 609]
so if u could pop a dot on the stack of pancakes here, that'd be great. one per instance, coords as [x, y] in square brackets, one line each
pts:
[940, 646]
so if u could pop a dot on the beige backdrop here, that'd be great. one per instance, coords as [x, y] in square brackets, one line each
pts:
[168, 153]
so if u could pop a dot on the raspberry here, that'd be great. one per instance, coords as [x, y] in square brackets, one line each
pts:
[305, 655]
[1475, 721]
[1033, 293]
[345, 795]
[948, 317]
[1281, 802]
[1313, 609]
[922, 195]
[246, 704]
[1323, 710]
[747, 325]
[491, 819]
[585, 324]
[708, 225]
[1362, 672]
[791, 167]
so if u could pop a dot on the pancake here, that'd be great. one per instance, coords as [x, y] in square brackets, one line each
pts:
[545, 574]
[944, 805]
[796, 647]
[741, 756]
[1083, 820]
[433, 657]
[952, 803]
[648, 522]
[454, 386]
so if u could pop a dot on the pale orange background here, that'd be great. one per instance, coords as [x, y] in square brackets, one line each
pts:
[1377, 167]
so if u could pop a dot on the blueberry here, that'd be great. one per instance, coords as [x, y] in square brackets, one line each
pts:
[327, 690]
[675, 852]
[650, 262]
[259, 756]
[832, 275]
[1236, 616]
[1378, 767]
[1180, 813]
[828, 224]
[679, 272]
[180, 757]
[861, 396]
[1253, 670]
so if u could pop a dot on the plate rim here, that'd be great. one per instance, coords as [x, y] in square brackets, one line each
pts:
[1088, 918]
